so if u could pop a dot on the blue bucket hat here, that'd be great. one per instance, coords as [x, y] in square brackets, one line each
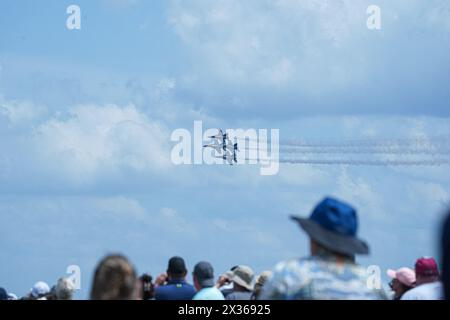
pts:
[3, 294]
[334, 224]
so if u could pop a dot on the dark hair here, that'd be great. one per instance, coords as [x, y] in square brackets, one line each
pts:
[176, 267]
[52, 294]
[114, 279]
[148, 289]
[324, 250]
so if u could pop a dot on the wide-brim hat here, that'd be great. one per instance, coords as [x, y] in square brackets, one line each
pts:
[243, 276]
[333, 225]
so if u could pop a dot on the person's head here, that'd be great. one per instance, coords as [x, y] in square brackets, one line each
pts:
[225, 278]
[445, 256]
[426, 270]
[203, 275]
[318, 249]
[332, 228]
[259, 283]
[39, 290]
[52, 294]
[403, 280]
[114, 279]
[242, 278]
[64, 289]
[147, 287]
[176, 269]
[3, 294]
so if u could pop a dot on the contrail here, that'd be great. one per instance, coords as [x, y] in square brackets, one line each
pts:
[361, 150]
[434, 141]
[365, 150]
[439, 145]
[442, 140]
[434, 149]
[438, 162]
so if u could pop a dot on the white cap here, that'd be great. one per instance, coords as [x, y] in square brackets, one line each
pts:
[39, 289]
[12, 296]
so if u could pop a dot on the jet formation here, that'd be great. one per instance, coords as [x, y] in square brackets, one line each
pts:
[225, 147]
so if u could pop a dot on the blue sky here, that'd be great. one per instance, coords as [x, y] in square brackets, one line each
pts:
[86, 117]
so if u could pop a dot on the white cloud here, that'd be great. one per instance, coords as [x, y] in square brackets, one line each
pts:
[20, 112]
[172, 221]
[309, 56]
[428, 197]
[164, 86]
[168, 212]
[266, 42]
[95, 140]
[358, 192]
[249, 229]
[438, 17]
[303, 176]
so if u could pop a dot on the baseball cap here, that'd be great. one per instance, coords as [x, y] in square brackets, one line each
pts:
[204, 273]
[426, 267]
[406, 276]
[39, 289]
[176, 266]
[12, 296]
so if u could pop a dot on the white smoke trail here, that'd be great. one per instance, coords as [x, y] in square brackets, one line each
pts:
[365, 150]
[439, 145]
[421, 151]
[363, 162]
[438, 141]
[442, 140]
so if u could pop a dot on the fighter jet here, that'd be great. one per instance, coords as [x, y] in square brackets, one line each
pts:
[221, 142]
[217, 147]
[235, 150]
[220, 135]
[229, 157]
[226, 157]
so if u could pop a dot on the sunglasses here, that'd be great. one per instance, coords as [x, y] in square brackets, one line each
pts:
[391, 284]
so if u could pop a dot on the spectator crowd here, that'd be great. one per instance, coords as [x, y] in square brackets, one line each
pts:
[329, 271]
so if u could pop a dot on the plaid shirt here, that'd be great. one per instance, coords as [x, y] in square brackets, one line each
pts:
[320, 277]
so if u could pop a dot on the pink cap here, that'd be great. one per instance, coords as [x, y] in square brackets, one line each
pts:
[406, 276]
